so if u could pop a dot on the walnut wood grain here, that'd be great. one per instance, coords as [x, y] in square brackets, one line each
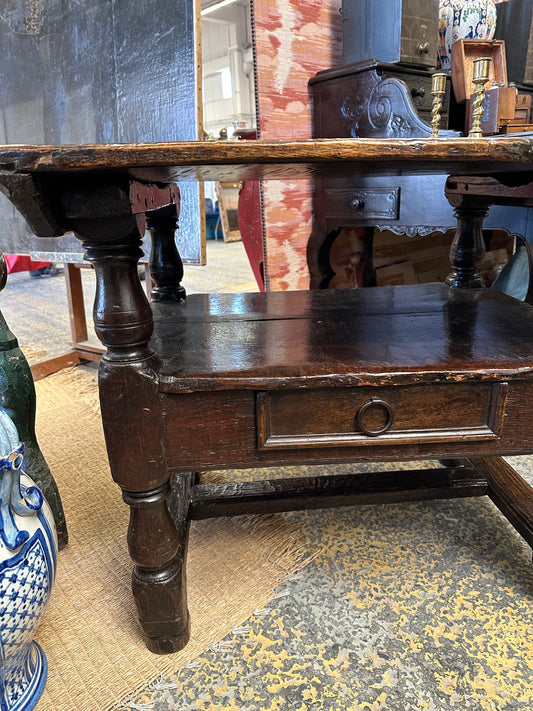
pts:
[166, 266]
[274, 495]
[409, 334]
[244, 160]
[129, 393]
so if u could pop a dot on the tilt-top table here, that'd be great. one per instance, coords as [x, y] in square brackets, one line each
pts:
[250, 380]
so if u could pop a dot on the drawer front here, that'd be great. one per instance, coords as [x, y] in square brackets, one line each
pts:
[419, 90]
[324, 417]
[382, 203]
[419, 33]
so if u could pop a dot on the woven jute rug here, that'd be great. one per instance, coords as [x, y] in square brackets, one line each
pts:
[89, 632]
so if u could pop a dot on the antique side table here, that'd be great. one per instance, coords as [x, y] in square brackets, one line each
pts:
[249, 380]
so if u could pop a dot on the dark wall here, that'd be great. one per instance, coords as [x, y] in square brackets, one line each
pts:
[97, 71]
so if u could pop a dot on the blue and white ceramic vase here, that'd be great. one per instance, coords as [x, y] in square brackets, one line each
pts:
[28, 557]
[463, 19]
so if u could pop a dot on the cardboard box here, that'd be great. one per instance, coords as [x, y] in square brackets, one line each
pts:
[432, 270]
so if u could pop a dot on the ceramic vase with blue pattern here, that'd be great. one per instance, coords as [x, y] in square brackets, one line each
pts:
[463, 19]
[28, 556]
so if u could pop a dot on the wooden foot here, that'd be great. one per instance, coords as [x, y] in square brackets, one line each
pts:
[160, 591]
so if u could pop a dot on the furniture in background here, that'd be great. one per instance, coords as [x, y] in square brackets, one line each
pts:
[372, 99]
[387, 97]
[228, 203]
[404, 31]
[253, 380]
[514, 25]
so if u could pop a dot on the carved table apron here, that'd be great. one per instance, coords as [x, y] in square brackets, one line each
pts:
[247, 380]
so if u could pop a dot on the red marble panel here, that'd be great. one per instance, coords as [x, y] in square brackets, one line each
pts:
[294, 40]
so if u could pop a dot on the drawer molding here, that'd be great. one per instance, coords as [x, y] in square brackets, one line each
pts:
[379, 203]
[271, 436]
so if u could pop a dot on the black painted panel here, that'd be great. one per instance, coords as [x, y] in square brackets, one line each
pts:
[97, 71]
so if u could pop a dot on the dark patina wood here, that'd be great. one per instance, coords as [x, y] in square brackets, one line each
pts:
[471, 196]
[370, 99]
[247, 380]
[274, 495]
[110, 220]
[509, 492]
[243, 160]
[166, 267]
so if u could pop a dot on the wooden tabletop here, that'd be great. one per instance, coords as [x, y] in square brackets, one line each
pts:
[238, 160]
[425, 332]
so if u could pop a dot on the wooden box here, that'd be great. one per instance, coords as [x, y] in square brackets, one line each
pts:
[522, 113]
[463, 54]
[499, 109]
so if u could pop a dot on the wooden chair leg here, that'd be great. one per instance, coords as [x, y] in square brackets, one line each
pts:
[76, 304]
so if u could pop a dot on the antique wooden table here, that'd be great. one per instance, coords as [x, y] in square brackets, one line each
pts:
[248, 380]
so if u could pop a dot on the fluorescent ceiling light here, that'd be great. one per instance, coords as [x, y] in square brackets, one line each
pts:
[216, 6]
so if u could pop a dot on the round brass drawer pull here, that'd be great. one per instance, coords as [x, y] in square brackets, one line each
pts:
[375, 403]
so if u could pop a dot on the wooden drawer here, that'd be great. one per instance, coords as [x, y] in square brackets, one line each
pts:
[414, 414]
[379, 203]
[419, 89]
[419, 34]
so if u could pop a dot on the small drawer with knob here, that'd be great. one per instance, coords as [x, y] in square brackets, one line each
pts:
[376, 203]
[394, 415]
[419, 91]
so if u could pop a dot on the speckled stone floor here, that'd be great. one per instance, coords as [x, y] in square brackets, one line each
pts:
[403, 607]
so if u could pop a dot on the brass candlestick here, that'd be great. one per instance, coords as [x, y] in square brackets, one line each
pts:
[480, 78]
[438, 87]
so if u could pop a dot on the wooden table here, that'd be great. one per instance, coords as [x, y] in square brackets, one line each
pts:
[249, 380]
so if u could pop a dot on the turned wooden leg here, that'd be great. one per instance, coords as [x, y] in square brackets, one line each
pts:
[129, 397]
[160, 585]
[166, 267]
[467, 251]
[134, 435]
